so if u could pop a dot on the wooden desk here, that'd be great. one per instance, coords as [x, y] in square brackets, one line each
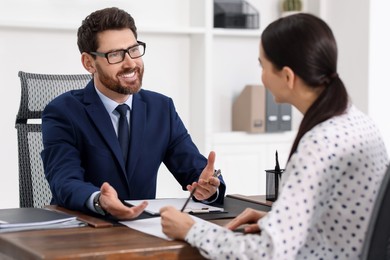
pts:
[116, 242]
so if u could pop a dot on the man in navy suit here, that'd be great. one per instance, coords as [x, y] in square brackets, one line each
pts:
[84, 163]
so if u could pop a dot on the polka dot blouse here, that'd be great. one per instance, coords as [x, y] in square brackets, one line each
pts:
[326, 198]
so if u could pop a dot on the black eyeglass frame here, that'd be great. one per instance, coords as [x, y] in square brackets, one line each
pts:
[105, 54]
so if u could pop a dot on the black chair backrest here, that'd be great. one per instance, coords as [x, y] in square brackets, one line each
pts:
[37, 90]
[377, 241]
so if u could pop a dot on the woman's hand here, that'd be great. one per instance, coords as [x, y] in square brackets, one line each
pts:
[249, 217]
[175, 224]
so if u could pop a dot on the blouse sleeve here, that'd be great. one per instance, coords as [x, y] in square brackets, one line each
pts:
[220, 243]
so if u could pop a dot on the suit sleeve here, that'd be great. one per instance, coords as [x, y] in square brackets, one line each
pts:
[62, 160]
[183, 158]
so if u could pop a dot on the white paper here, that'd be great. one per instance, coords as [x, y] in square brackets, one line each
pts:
[152, 226]
[154, 205]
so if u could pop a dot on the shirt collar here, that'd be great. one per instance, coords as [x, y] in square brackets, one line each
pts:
[110, 104]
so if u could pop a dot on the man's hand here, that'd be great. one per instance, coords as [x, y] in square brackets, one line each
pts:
[110, 202]
[207, 185]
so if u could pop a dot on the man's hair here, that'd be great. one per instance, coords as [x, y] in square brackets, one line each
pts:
[105, 19]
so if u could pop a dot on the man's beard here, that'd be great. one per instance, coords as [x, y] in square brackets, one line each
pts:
[115, 86]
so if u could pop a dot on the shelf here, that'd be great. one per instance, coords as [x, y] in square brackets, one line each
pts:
[69, 26]
[17, 24]
[237, 32]
[173, 31]
[251, 138]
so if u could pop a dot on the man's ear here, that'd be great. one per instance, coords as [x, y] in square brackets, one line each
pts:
[289, 77]
[88, 62]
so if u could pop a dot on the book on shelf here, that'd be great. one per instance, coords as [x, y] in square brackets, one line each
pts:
[19, 219]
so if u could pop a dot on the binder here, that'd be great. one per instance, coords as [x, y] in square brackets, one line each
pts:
[249, 111]
[272, 116]
[255, 111]
[18, 219]
[285, 112]
[278, 116]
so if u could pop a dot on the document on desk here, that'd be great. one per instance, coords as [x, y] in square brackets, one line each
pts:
[152, 226]
[154, 205]
[18, 219]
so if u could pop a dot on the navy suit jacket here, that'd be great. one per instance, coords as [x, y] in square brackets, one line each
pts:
[81, 149]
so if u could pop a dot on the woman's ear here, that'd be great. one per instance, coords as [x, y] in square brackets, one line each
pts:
[289, 77]
[88, 62]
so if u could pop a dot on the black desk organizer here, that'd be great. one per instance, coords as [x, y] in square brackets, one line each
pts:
[233, 207]
[235, 14]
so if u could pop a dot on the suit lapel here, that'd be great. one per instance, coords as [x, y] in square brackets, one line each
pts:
[138, 121]
[100, 117]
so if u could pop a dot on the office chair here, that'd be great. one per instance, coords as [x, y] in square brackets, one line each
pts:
[37, 90]
[377, 241]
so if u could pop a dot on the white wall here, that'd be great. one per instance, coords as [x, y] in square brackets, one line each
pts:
[23, 49]
[361, 31]
[378, 73]
[349, 20]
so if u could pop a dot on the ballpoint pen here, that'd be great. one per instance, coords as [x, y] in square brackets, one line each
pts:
[188, 200]
[277, 167]
[217, 173]
[277, 174]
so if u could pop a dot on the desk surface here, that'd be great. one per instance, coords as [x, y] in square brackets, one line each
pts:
[88, 242]
[114, 242]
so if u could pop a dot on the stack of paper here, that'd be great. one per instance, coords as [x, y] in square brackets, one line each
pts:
[19, 219]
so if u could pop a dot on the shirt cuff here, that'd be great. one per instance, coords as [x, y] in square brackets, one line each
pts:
[213, 200]
[89, 203]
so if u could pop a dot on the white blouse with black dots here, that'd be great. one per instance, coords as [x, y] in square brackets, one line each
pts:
[325, 201]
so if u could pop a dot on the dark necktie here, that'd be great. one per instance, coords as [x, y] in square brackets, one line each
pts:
[123, 130]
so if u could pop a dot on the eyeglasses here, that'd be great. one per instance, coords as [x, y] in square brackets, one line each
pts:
[114, 57]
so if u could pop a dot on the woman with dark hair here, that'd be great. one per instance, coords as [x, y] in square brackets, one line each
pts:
[334, 169]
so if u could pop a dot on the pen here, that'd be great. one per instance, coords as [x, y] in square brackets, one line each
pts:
[188, 200]
[277, 167]
[277, 174]
[217, 173]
